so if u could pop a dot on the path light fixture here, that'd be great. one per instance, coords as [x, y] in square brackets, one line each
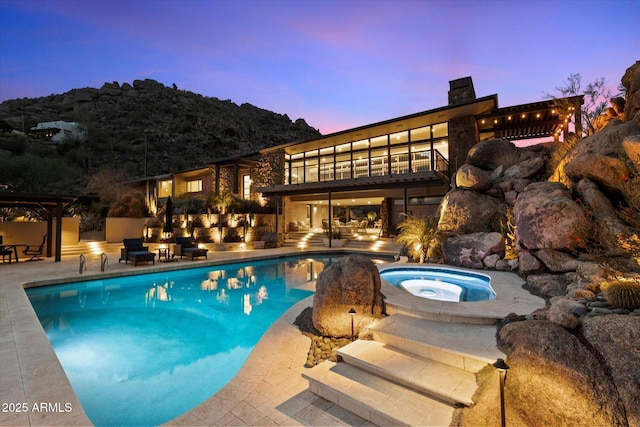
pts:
[502, 367]
[352, 312]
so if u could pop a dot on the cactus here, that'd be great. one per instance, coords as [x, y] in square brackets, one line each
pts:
[623, 294]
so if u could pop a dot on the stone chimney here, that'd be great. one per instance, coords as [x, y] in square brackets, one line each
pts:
[461, 91]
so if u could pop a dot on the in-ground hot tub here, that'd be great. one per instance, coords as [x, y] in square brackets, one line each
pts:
[439, 283]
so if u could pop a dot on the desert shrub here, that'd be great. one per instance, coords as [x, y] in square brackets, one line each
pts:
[623, 294]
[129, 205]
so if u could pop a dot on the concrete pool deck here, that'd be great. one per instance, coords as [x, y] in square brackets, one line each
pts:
[269, 389]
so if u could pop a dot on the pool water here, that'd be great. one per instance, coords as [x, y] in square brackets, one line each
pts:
[141, 350]
[441, 284]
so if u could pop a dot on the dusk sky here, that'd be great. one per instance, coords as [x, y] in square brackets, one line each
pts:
[337, 64]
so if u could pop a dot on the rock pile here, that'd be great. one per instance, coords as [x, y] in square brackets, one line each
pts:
[576, 233]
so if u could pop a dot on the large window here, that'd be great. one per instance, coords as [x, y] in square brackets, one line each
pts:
[416, 150]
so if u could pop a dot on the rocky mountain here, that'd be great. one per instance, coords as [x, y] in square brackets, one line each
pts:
[145, 122]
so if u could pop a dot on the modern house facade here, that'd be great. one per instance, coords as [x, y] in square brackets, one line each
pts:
[384, 171]
[378, 172]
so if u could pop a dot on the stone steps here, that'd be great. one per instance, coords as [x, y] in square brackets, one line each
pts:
[465, 346]
[376, 399]
[438, 380]
[415, 371]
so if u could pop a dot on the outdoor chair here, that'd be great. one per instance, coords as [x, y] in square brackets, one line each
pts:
[34, 251]
[362, 226]
[135, 252]
[5, 250]
[186, 247]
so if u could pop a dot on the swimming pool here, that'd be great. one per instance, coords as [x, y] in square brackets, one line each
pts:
[141, 350]
[440, 284]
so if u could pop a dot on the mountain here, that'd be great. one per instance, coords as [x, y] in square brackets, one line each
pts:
[177, 130]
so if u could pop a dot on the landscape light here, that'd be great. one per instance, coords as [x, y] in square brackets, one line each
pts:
[502, 367]
[352, 312]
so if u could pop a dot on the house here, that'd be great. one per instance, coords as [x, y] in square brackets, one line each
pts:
[228, 175]
[378, 172]
[58, 131]
[402, 166]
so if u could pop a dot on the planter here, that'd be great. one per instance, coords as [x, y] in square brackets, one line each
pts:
[335, 243]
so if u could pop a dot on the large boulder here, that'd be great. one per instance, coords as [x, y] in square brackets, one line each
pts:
[631, 82]
[546, 217]
[469, 250]
[473, 178]
[555, 380]
[631, 146]
[617, 340]
[601, 158]
[464, 212]
[492, 153]
[525, 169]
[351, 282]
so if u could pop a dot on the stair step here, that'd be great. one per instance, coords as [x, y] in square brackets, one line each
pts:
[469, 347]
[435, 379]
[374, 398]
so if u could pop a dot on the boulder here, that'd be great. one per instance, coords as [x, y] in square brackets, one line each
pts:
[529, 264]
[546, 217]
[631, 146]
[617, 340]
[600, 157]
[631, 82]
[464, 212]
[546, 285]
[492, 153]
[525, 169]
[469, 250]
[351, 282]
[470, 177]
[561, 312]
[490, 260]
[613, 232]
[555, 380]
[556, 261]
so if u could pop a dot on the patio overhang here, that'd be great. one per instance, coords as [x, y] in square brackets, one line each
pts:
[528, 121]
[52, 204]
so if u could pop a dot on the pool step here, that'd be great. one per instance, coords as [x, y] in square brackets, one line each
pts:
[466, 346]
[376, 399]
[411, 361]
[442, 382]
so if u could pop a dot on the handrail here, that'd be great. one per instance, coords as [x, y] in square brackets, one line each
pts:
[83, 263]
[104, 260]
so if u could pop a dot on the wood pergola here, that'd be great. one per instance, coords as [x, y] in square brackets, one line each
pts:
[53, 206]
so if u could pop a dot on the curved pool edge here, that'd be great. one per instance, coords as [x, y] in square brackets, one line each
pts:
[30, 370]
[510, 298]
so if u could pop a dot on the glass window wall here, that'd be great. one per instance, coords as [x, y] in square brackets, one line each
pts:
[378, 156]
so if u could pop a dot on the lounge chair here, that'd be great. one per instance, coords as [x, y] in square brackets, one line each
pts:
[135, 252]
[186, 247]
[34, 251]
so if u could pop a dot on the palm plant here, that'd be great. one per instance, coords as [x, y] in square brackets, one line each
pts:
[416, 234]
